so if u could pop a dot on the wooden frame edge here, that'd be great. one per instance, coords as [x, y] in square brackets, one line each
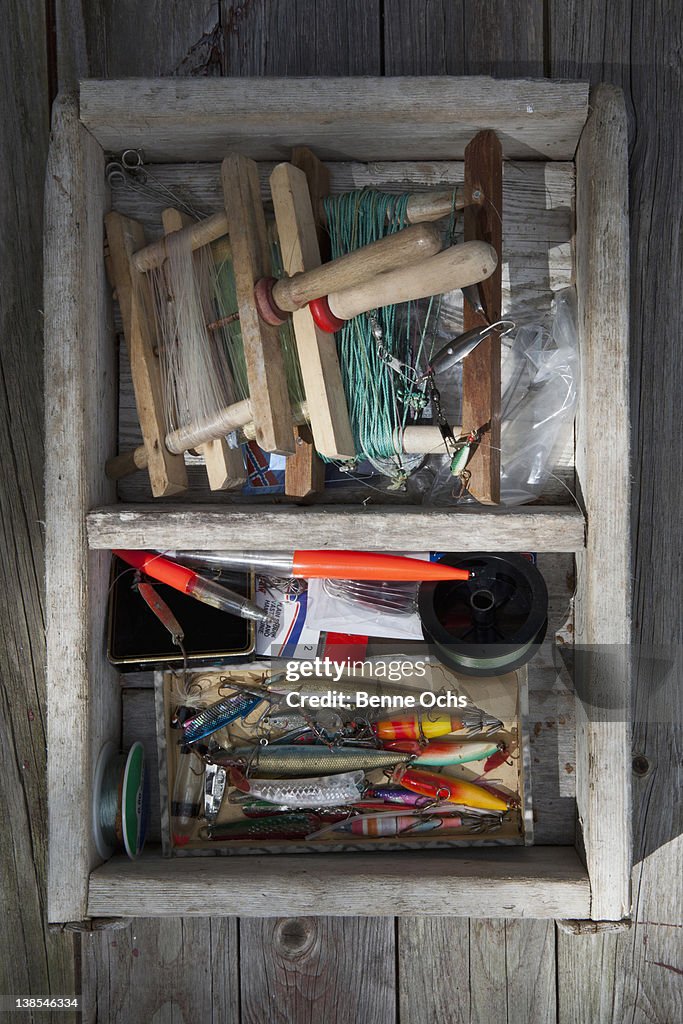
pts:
[603, 606]
[516, 881]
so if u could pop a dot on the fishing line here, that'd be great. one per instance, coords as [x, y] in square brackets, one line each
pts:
[492, 623]
[377, 352]
[120, 804]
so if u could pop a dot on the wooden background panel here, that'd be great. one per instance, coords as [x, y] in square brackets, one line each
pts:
[32, 959]
[635, 976]
[131, 39]
[461, 972]
[640, 970]
[302, 37]
[304, 970]
[171, 972]
[503, 38]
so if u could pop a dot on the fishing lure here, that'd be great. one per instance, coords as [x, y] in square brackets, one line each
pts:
[218, 715]
[292, 761]
[417, 726]
[383, 823]
[280, 723]
[447, 752]
[262, 809]
[455, 350]
[215, 779]
[443, 787]
[276, 826]
[396, 795]
[329, 791]
[395, 823]
[463, 452]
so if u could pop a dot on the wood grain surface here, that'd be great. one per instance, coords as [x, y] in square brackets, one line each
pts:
[377, 529]
[519, 881]
[629, 977]
[640, 970]
[32, 959]
[177, 971]
[305, 970]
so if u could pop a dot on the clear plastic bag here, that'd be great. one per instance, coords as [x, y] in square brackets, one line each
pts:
[540, 382]
[539, 386]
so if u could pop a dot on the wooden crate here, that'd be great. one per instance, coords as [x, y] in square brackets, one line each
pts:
[543, 126]
[508, 692]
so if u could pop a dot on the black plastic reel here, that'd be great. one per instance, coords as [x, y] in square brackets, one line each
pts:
[490, 624]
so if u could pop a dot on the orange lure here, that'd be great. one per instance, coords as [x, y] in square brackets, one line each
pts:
[414, 727]
[444, 787]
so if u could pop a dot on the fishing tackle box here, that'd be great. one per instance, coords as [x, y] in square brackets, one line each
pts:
[565, 217]
[506, 697]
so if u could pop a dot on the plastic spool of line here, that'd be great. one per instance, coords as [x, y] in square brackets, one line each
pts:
[491, 623]
[120, 801]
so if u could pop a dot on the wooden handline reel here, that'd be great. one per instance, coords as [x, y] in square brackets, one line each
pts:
[268, 407]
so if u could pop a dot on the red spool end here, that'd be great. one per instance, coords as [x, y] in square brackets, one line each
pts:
[323, 315]
[266, 305]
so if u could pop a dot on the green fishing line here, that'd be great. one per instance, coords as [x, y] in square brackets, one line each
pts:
[381, 380]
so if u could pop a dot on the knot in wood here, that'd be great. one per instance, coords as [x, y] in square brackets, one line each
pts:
[294, 936]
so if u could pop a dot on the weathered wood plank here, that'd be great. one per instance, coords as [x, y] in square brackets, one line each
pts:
[302, 37]
[338, 118]
[434, 969]
[463, 37]
[176, 971]
[493, 963]
[639, 971]
[80, 414]
[603, 605]
[512, 881]
[481, 394]
[530, 971]
[123, 39]
[33, 960]
[378, 529]
[306, 969]
[261, 342]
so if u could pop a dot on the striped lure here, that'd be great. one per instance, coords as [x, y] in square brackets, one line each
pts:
[399, 822]
[218, 715]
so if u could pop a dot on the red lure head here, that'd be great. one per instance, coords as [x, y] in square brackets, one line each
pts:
[426, 783]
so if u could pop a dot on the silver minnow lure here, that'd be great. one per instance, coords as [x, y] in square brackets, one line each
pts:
[218, 715]
[292, 761]
[330, 791]
[454, 351]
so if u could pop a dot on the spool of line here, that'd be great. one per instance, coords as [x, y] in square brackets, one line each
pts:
[493, 622]
[120, 807]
